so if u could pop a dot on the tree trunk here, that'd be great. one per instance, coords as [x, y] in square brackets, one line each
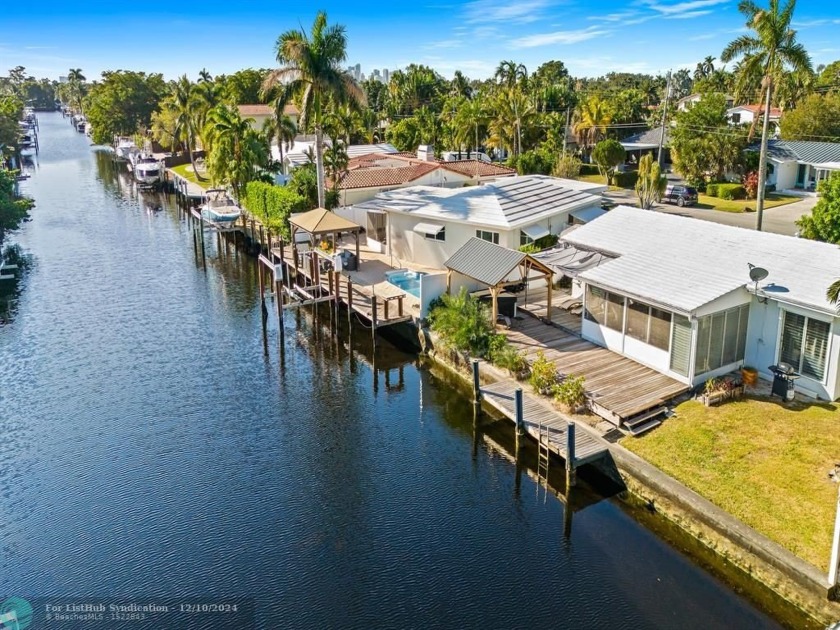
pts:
[762, 159]
[319, 164]
[198, 177]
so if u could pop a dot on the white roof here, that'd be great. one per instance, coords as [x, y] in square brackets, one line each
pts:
[684, 263]
[508, 203]
[829, 166]
[296, 155]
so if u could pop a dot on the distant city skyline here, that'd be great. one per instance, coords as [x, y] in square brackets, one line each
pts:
[473, 36]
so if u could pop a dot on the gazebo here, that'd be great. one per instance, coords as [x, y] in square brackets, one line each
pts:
[322, 222]
[492, 265]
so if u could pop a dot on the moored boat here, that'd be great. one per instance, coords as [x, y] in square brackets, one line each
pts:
[148, 171]
[219, 207]
[124, 148]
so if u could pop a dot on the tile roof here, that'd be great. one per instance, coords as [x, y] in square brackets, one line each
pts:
[801, 151]
[377, 177]
[477, 168]
[775, 112]
[684, 263]
[508, 203]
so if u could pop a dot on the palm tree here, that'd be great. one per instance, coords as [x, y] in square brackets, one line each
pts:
[771, 50]
[705, 68]
[238, 154]
[591, 121]
[460, 85]
[76, 79]
[311, 72]
[280, 127]
[185, 106]
[833, 293]
[204, 76]
[509, 73]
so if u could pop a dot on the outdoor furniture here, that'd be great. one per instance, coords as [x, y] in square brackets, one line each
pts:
[569, 303]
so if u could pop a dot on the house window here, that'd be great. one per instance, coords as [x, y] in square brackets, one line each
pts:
[648, 324]
[805, 344]
[440, 236]
[491, 237]
[681, 345]
[736, 118]
[721, 339]
[604, 308]
[524, 239]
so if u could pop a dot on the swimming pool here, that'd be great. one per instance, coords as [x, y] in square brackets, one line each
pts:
[405, 279]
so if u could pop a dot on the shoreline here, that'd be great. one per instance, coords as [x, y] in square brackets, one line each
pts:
[794, 591]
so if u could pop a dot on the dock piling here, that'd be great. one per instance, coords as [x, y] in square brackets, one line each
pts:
[571, 468]
[519, 419]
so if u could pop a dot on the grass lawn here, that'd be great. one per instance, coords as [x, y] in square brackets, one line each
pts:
[188, 174]
[762, 462]
[595, 179]
[740, 205]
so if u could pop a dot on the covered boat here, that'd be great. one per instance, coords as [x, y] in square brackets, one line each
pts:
[219, 207]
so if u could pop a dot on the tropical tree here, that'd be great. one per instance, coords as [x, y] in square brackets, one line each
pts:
[238, 154]
[591, 121]
[76, 81]
[651, 183]
[770, 50]
[705, 68]
[514, 112]
[185, 106]
[823, 224]
[509, 73]
[123, 102]
[311, 72]
[460, 86]
[608, 154]
[280, 128]
[818, 116]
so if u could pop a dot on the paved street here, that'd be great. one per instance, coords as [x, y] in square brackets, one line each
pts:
[779, 220]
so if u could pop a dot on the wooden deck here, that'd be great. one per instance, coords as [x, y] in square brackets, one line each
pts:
[539, 413]
[537, 302]
[618, 388]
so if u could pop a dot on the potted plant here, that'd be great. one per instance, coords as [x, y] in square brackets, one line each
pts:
[749, 375]
[570, 393]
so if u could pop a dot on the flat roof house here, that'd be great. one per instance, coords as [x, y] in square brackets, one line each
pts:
[426, 225]
[675, 294]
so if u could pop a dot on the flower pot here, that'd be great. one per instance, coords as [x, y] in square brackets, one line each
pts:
[749, 376]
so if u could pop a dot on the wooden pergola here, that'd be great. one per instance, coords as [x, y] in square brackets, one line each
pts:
[492, 266]
[322, 222]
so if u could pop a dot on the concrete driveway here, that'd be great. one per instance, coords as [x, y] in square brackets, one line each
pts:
[780, 220]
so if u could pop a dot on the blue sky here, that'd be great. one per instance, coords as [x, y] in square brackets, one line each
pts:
[590, 37]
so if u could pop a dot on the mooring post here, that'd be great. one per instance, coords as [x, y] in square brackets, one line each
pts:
[519, 417]
[349, 299]
[571, 465]
[476, 393]
[373, 319]
[201, 236]
[278, 296]
[262, 238]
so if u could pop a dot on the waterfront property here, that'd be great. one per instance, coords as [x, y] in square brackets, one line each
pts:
[427, 225]
[676, 294]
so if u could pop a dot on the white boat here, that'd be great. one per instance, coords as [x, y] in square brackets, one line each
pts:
[79, 123]
[147, 170]
[219, 207]
[124, 148]
[28, 152]
[88, 129]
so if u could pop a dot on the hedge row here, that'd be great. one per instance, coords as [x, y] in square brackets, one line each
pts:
[726, 191]
[272, 205]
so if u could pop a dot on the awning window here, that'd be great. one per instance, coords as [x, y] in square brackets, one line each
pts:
[535, 232]
[428, 228]
[585, 215]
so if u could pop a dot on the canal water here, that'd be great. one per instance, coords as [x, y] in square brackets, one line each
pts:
[149, 448]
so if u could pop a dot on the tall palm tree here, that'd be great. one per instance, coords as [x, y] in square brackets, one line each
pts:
[771, 50]
[185, 106]
[280, 127]
[204, 76]
[705, 68]
[460, 85]
[833, 293]
[509, 73]
[311, 72]
[593, 117]
[237, 152]
[76, 80]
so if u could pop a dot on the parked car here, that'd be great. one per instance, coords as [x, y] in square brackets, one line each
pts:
[680, 195]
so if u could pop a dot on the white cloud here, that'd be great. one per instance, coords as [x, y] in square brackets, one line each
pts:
[559, 37]
[687, 15]
[473, 68]
[613, 17]
[813, 23]
[703, 36]
[444, 43]
[682, 7]
[483, 11]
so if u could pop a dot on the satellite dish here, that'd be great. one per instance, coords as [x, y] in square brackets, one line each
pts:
[757, 274]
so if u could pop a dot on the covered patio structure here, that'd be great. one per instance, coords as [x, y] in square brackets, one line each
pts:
[492, 266]
[322, 222]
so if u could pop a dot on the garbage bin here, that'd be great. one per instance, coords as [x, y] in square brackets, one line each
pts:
[784, 380]
[349, 260]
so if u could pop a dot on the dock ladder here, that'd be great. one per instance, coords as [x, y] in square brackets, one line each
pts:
[543, 455]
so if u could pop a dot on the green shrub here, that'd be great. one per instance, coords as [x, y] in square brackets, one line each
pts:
[626, 180]
[589, 169]
[571, 391]
[543, 374]
[567, 167]
[463, 323]
[731, 191]
[509, 358]
[272, 205]
[712, 189]
[540, 244]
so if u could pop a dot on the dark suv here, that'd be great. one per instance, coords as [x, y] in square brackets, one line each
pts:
[680, 195]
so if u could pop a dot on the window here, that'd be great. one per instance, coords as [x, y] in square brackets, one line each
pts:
[648, 324]
[604, 308]
[491, 237]
[721, 339]
[681, 345]
[524, 239]
[736, 118]
[805, 344]
[660, 328]
[440, 236]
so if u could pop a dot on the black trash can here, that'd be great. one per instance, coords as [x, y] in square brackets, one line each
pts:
[349, 261]
[784, 380]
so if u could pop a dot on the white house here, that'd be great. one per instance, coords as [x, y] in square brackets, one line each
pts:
[796, 164]
[427, 225]
[674, 293]
[687, 102]
[302, 151]
[260, 113]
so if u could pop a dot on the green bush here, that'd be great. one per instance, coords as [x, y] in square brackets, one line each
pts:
[544, 375]
[589, 169]
[505, 356]
[731, 191]
[625, 180]
[540, 244]
[571, 391]
[712, 189]
[272, 205]
[534, 162]
[463, 323]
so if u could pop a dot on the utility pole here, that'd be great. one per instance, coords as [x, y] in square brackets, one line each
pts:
[566, 129]
[664, 116]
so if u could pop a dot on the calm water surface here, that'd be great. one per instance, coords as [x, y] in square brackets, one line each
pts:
[148, 447]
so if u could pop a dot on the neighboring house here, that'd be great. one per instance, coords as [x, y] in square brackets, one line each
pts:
[426, 225]
[687, 102]
[746, 114]
[797, 164]
[368, 175]
[646, 142]
[675, 294]
[261, 113]
[304, 146]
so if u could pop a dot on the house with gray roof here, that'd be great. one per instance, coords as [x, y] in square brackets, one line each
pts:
[646, 141]
[426, 225]
[676, 294]
[797, 164]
